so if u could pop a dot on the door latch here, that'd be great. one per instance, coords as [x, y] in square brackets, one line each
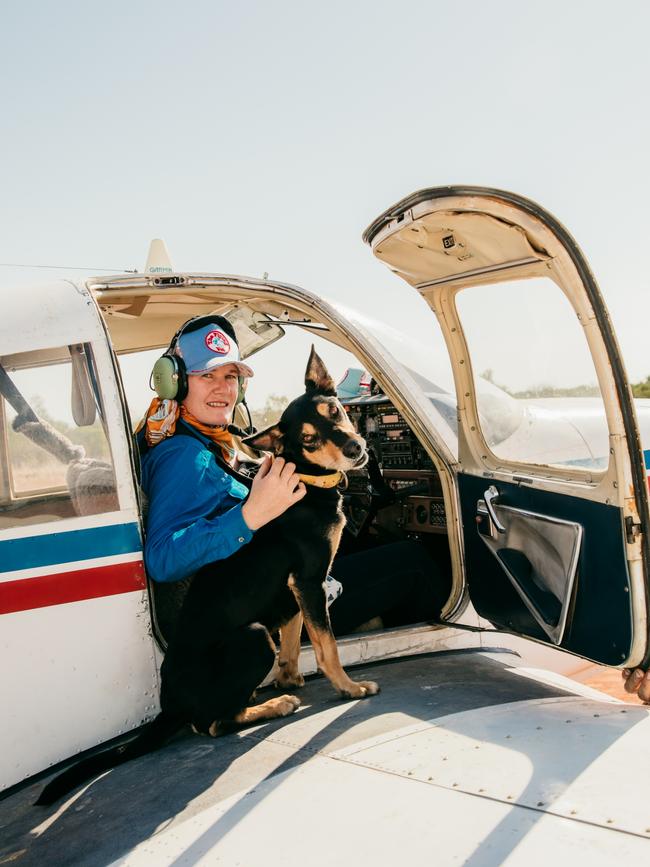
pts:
[490, 496]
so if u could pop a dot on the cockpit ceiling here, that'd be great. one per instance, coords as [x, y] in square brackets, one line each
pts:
[446, 245]
[147, 322]
[140, 319]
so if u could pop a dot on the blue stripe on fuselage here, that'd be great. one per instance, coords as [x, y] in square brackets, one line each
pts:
[31, 552]
[646, 455]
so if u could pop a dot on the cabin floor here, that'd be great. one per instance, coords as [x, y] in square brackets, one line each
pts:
[114, 813]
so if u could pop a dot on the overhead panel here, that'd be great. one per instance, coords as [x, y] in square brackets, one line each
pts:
[448, 244]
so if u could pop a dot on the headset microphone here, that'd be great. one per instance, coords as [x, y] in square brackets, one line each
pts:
[239, 432]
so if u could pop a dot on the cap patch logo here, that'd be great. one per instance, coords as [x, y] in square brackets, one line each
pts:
[216, 341]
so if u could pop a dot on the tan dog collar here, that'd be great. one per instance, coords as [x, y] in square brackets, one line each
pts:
[330, 481]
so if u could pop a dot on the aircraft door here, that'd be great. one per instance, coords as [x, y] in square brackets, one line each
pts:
[552, 486]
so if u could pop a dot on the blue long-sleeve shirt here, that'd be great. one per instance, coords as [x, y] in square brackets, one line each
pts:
[195, 508]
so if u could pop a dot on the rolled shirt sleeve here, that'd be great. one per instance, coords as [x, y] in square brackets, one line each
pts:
[195, 509]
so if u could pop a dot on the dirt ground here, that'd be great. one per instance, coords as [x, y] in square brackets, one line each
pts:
[607, 680]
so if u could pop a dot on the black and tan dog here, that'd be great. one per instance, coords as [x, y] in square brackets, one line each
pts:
[222, 647]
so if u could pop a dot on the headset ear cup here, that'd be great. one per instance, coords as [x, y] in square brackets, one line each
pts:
[242, 384]
[168, 378]
[181, 374]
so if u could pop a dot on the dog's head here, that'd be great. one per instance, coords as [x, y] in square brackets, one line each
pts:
[314, 430]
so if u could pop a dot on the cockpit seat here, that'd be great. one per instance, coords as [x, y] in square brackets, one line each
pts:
[91, 483]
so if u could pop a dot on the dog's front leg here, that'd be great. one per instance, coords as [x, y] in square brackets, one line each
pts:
[324, 644]
[327, 658]
[288, 675]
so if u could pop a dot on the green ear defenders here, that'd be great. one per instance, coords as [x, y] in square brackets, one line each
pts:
[169, 375]
[169, 378]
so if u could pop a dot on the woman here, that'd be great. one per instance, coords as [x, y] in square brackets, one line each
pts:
[198, 512]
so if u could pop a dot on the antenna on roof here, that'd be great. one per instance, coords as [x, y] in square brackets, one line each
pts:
[158, 261]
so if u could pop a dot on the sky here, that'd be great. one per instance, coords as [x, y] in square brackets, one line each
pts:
[265, 136]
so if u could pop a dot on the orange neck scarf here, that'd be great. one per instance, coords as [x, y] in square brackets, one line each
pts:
[160, 423]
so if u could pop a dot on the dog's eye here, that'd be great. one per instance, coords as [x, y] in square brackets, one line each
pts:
[308, 439]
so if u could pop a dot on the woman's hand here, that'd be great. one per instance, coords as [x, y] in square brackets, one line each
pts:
[275, 488]
[637, 681]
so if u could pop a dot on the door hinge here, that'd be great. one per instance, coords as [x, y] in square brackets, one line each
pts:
[632, 529]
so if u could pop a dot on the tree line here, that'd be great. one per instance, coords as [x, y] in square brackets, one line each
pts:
[639, 389]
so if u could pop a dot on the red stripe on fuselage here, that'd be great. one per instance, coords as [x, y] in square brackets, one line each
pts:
[46, 590]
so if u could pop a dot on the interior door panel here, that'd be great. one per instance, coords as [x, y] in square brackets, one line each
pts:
[524, 582]
[538, 553]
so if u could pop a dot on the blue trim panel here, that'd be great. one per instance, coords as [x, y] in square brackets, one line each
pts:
[50, 549]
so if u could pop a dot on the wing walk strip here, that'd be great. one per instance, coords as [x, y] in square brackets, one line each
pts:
[483, 796]
[351, 755]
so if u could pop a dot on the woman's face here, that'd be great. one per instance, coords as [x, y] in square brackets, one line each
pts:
[211, 395]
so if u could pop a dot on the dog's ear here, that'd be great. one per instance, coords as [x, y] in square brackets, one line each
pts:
[316, 376]
[268, 440]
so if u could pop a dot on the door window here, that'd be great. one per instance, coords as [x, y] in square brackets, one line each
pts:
[57, 459]
[536, 388]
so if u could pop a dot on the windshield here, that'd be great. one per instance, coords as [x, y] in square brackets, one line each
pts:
[427, 362]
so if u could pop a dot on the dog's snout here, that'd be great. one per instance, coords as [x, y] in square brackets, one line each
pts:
[352, 449]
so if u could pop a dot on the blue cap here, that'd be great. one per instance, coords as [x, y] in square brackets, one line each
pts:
[209, 347]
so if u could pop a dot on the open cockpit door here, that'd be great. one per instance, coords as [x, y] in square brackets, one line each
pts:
[552, 485]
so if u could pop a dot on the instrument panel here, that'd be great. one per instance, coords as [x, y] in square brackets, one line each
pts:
[400, 475]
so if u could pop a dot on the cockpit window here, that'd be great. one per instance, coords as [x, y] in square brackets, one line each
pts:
[537, 392]
[56, 458]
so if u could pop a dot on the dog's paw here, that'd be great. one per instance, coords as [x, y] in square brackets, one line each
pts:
[369, 687]
[285, 680]
[286, 704]
[361, 689]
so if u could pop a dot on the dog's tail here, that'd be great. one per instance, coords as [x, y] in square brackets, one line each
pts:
[152, 736]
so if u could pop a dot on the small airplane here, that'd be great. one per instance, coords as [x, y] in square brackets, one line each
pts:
[536, 506]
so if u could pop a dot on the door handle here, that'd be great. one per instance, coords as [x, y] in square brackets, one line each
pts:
[490, 496]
